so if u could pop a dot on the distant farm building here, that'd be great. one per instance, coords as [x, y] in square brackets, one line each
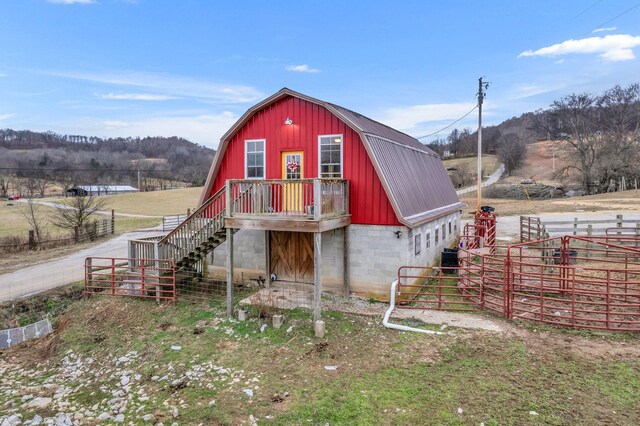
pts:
[84, 190]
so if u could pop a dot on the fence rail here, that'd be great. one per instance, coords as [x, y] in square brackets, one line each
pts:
[169, 223]
[536, 228]
[574, 281]
[311, 198]
[89, 232]
[143, 278]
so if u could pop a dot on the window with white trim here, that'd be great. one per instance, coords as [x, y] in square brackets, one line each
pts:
[417, 244]
[428, 239]
[254, 159]
[436, 236]
[330, 156]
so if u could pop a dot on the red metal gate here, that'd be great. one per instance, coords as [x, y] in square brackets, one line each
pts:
[582, 282]
[141, 278]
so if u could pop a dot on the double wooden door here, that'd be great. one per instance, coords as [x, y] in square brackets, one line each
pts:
[291, 256]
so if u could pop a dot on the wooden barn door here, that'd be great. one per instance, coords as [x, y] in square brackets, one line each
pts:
[292, 256]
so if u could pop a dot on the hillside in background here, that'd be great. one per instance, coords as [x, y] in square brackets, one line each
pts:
[24, 153]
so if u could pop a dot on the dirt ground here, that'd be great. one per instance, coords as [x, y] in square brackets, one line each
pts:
[539, 163]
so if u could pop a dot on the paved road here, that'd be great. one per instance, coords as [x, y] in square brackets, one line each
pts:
[492, 179]
[58, 272]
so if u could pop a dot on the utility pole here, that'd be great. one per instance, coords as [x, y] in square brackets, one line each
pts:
[481, 88]
[139, 186]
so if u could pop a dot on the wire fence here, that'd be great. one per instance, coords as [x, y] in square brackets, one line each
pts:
[91, 231]
[15, 336]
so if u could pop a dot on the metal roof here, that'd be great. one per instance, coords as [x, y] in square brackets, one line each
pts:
[416, 182]
[413, 176]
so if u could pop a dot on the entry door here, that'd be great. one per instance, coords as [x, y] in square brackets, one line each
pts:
[293, 169]
[292, 256]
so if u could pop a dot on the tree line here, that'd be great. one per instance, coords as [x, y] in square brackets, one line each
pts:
[31, 161]
[600, 132]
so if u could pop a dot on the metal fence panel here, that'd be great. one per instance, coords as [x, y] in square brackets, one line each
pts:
[15, 336]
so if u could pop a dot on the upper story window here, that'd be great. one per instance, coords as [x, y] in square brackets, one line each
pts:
[330, 156]
[254, 159]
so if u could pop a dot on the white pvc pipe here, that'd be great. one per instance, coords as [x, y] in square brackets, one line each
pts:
[392, 304]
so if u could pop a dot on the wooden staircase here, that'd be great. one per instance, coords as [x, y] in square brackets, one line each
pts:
[198, 235]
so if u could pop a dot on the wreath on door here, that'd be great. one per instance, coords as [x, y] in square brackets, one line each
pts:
[292, 166]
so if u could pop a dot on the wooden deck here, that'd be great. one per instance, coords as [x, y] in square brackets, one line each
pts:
[305, 205]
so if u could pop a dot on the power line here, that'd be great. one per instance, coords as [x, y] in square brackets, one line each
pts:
[22, 169]
[446, 127]
[588, 9]
[614, 18]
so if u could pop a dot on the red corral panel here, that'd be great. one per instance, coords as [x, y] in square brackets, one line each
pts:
[369, 203]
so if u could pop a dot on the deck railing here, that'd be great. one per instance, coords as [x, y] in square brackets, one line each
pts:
[310, 199]
[306, 198]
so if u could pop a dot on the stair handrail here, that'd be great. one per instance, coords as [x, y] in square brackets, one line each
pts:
[199, 210]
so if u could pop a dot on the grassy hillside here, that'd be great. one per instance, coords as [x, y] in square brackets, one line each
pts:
[191, 365]
[490, 164]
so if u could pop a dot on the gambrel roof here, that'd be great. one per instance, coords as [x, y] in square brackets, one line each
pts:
[413, 176]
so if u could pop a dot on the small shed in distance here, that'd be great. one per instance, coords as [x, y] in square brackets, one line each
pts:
[84, 190]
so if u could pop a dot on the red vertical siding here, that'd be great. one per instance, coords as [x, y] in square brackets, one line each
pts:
[369, 202]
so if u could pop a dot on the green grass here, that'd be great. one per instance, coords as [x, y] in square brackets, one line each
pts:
[382, 377]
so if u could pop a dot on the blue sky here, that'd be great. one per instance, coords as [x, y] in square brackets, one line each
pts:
[191, 68]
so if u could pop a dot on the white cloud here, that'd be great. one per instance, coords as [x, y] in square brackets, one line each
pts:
[135, 97]
[2, 75]
[71, 1]
[413, 117]
[616, 47]
[604, 30]
[6, 116]
[302, 68]
[171, 85]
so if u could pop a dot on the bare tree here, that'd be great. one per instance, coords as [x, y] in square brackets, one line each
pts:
[75, 211]
[31, 186]
[511, 151]
[5, 184]
[32, 214]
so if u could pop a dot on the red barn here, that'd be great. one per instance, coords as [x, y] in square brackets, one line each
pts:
[324, 196]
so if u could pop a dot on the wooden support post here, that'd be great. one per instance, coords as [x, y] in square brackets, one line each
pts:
[113, 221]
[229, 272]
[267, 255]
[229, 199]
[317, 200]
[589, 234]
[32, 239]
[317, 276]
[346, 285]
[618, 222]
[88, 280]
[575, 226]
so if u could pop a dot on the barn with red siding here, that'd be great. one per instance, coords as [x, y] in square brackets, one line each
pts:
[323, 196]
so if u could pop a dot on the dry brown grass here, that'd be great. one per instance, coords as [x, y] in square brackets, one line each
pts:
[490, 164]
[156, 203]
[617, 201]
